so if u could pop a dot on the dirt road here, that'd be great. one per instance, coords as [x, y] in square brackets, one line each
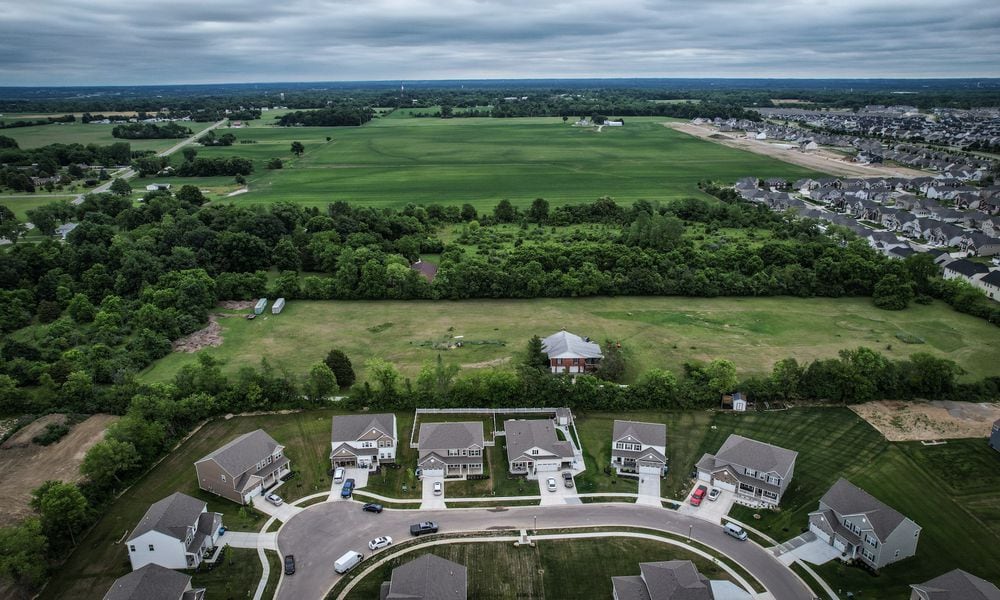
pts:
[820, 160]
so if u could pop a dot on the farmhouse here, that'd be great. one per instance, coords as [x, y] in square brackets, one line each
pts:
[759, 473]
[154, 581]
[533, 447]
[244, 467]
[363, 441]
[862, 527]
[451, 449]
[429, 577]
[955, 585]
[174, 533]
[569, 353]
[638, 447]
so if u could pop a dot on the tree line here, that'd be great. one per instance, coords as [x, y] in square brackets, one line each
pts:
[150, 131]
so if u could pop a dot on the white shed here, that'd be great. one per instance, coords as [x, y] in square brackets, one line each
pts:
[260, 306]
[278, 305]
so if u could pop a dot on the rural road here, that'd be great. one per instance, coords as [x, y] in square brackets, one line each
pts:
[323, 532]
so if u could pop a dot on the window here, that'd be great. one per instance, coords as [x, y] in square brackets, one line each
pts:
[383, 443]
[452, 452]
[269, 458]
[750, 472]
[151, 549]
[746, 487]
[475, 452]
[868, 554]
[131, 548]
[871, 541]
[773, 480]
[896, 555]
[223, 478]
[367, 445]
[534, 450]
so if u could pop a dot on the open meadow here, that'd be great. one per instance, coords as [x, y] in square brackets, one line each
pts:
[396, 161]
[86, 133]
[655, 332]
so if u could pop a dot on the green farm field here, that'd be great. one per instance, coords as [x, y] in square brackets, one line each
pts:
[79, 133]
[395, 161]
[655, 332]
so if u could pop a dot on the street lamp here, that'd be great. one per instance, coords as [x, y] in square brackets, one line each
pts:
[535, 526]
[690, 528]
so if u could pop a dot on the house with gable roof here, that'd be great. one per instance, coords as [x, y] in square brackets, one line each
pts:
[364, 441]
[428, 577]
[673, 580]
[638, 447]
[244, 467]
[569, 353]
[174, 533]
[759, 473]
[451, 449]
[154, 582]
[955, 585]
[862, 527]
[533, 447]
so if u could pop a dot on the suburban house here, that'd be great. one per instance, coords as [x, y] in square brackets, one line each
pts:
[955, 585]
[964, 269]
[244, 467]
[154, 581]
[363, 441]
[451, 449]
[429, 577]
[995, 436]
[570, 353]
[64, 230]
[673, 580]
[174, 533]
[534, 447]
[638, 447]
[990, 284]
[757, 472]
[862, 527]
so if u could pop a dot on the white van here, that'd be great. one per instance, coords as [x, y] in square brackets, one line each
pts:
[736, 531]
[338, 475]
[347, 562]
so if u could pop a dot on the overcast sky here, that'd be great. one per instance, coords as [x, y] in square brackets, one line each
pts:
[97, 42]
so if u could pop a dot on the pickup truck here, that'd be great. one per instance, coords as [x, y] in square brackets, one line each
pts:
[422, 528]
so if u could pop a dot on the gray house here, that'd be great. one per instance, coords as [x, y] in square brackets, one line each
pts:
[759, 473]
[638, 447]
[429, 577]
[666, 580]
[534, 447]
[154, 581]
[995, 436]
[363, 441]
[174, 533]
[862, 527]
[955, 585]
[451, 449]
[244, 467]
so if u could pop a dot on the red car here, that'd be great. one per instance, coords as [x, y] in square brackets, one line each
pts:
[698, 495]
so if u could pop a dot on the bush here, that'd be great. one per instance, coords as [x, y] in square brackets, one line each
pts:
[52, 434]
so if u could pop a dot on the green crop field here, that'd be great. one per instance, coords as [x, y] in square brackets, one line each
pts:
[396, 160]
[655, 332]
[79, 133]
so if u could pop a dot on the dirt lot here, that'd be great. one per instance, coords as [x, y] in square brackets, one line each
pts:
[938, 420]
[25, 466]
[821, 160]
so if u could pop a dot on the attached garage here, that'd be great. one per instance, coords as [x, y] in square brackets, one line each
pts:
[820, 534]
[255, 491]
[432, 472]
[839, 544]
[650, 469]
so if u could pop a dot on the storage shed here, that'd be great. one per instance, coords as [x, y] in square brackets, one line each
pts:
[277, 306]
[261, 305]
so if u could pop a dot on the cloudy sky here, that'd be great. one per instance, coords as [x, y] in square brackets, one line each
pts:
[97, 42]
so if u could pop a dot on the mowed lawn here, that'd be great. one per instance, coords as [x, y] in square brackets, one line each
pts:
[551, 569]
[80, 133]
[99, 559]
[655, 332]
[395, 161]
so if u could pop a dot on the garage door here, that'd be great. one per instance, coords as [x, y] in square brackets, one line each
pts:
[819, 533]
[839, 545]
[432, 473]
[722, 485]
[704, 476]
[254, 492]
[647, 470]
[545, 467]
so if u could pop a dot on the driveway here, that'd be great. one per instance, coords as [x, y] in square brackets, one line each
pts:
[709, 510]
[428, 501]
[806, 547]
[649, 490]
[282, 513]
[360, 477]
[562, 495]
[242, 539]
[322, 532]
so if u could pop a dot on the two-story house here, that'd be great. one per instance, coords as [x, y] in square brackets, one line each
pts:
[243, 468]
[569, 353]
[451, 449]
[757, 472]
[174, 533]
[154, 581]
[862, 527]
[533, 447]
[668, 580]
[638, 447]
[429, 577]
[363, 441]
[955, 585]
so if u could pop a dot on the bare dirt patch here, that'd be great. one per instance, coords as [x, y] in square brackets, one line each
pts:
[236, 304]
[28, 466]
[208, 336]
[23, 436]
[820, 160]
[939, 420]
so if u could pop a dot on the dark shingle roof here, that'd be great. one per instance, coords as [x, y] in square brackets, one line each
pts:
[170, 516]
[958, 585]
[760, 456]
[629, 588]
[442, 436]
[845, 498]
[522, 435]
[966, 267]
[648, 434]
[349, 428]
[429, 577]
[244, 452]
[675, 580]
[153, 582]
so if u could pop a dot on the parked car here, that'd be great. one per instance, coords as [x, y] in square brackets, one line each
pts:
[289, 564]
[438, 488]
[422, 528]
[348, 489]
[713, 494]
[372, 507]
[379, 542]
[736, 531]
[347, 562]
[338, 474]
[551, 484]
[698, 495]
[567, 479]
[274, 499]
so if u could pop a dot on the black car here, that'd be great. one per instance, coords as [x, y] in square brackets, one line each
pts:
[289, 564]
[372, 507]
[422, 528]
[348, 489]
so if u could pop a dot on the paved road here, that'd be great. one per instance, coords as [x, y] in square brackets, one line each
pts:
[323, 532]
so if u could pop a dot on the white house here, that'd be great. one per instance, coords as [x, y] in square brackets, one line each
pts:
[638, 447]
[363, 441]
[174, 533]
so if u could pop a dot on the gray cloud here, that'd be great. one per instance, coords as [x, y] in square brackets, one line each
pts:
[73, 42]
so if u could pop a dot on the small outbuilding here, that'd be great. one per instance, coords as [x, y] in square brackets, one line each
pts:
[278, 306]
[260, 306]
[158, 187]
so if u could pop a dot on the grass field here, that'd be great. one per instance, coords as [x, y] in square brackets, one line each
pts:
[235, 577]
[655, 332]
[397, 160]
[552, 569]
[79, 133]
